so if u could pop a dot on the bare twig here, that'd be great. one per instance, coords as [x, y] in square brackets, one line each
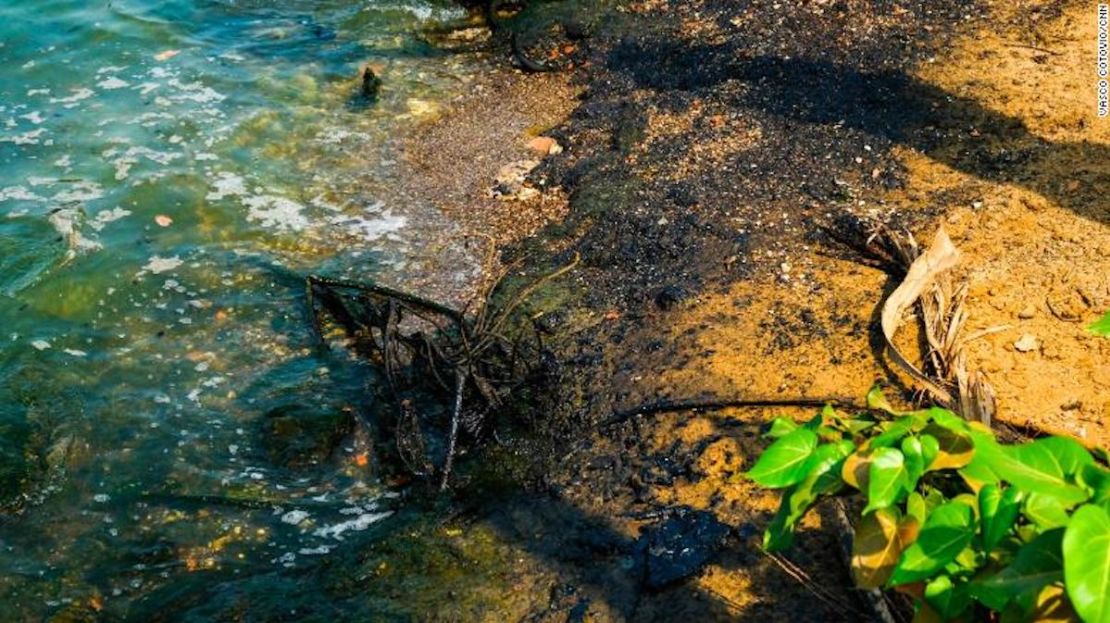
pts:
[672, 406]
[452, 437]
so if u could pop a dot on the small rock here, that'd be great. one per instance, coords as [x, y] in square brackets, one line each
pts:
[510, 181]
[545, 145]
[371, 84]
[1026, 343]
[1071, 405]
[1027, 313]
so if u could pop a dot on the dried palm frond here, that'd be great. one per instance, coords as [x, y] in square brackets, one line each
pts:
[928, 287]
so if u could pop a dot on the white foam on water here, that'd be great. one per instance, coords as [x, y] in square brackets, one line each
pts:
[26, 138]
[358, 524]
[18, 193]
[131, 157]
[112, 83]
[195, 92]
[71, 101]
[226, 185]
[384, 226]
[104, 217]
[81, 191]
[158, 265]
[294, 517]
[276, 212]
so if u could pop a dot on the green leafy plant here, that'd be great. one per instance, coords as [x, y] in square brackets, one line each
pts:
[1101, 326]
[966, 525]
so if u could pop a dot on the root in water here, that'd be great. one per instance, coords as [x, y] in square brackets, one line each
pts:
[447, 371]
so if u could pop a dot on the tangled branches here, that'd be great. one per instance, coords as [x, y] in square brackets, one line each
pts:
[439, 363]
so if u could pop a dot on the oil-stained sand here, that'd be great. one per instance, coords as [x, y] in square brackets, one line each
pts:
[712, 147]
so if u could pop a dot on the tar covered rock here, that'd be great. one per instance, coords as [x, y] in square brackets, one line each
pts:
[680, 546]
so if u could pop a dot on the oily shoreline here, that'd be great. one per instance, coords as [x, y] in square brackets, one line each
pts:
[717, 154]
[709, 151]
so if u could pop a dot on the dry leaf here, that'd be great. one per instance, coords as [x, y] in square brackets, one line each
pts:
[855, 470]
[1052, 605]
[956, 450]
[938, 258]
[877, 546]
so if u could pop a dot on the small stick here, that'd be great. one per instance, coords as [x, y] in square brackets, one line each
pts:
[671, 406]
[460, 378]
[1032, 47]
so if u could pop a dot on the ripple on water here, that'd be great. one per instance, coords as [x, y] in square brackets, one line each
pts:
[169, 166]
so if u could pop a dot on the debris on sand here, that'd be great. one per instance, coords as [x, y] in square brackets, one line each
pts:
[1026, 343]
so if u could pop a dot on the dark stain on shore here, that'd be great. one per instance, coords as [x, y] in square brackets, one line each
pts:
[797, 113]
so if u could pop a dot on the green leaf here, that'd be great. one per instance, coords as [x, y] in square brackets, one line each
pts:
[823, 478]
[1101, 326]
[915, 507]
[930, 448]
[1087, 563]
[1044, 466]
[825, 464]
[856, 426]
[947, 531]
[1097, 481]
[877, 401]
[1045, 511]
[1036, 564]
[914, 451]
[780, 427]
[998, 510]
[829, 433]
[934, 499]
[948, 419]
[949, 599]
[979, 471]
[887, 479]
[786, 462]
[892, 433]
[955, 447]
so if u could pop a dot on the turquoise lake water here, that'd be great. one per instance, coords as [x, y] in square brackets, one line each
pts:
[167, 168]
